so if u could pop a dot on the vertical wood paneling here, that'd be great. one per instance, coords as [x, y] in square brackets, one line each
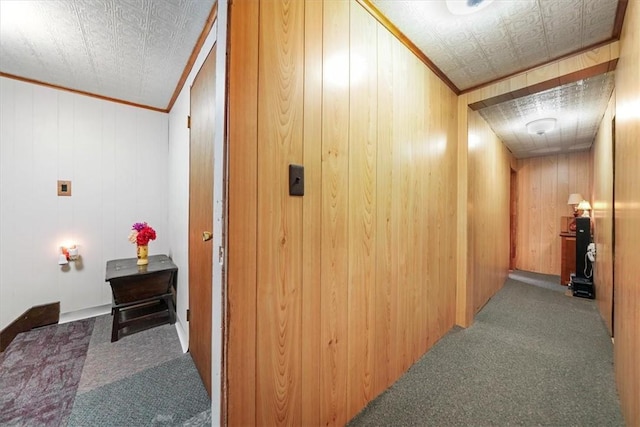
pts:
[385, 298]
[242, 220]
[488, 221]
[544, 185]
[449, 245]
[377, 265]
[549, 216]
[602, 214]
[535, 205]
[400, 206]
[362, 201]
[562, 208]
[434, 163]
[335, 213]
[464, 316]
[312, 213]
[419, 238]
[279, 263]
[627, 218]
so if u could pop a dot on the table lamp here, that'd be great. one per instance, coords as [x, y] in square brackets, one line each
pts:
[575, 199]
[585, 207]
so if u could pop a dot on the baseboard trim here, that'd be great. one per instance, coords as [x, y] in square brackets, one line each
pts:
[35, 317]
[182, 336]
[85, 313]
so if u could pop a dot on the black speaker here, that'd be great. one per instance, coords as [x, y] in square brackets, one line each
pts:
[583, 238]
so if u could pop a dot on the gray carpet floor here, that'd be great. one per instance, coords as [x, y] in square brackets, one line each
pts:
[533, 357]
[72, 374]
[142, 379]
[39, 374]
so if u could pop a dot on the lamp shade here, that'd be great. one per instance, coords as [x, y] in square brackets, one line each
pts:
[575, 198]
[584, 206]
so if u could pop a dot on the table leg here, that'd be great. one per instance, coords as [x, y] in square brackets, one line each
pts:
[116, 325]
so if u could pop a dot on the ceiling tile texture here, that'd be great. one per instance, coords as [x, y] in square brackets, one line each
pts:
[136, 51]
[131, 50]
[578, 108]
[506, 37]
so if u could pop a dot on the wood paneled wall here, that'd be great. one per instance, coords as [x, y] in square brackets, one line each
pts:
[602, 214]
[333, 295]
[489, 174]
[544, 185]
[627, 218]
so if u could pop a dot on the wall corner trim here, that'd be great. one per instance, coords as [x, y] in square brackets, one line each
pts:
[37, 316]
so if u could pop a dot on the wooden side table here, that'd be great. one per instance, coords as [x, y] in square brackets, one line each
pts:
[568, 254]
[143, 296]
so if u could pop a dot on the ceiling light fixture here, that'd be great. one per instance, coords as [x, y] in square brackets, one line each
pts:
[465, 7]
[541, 126]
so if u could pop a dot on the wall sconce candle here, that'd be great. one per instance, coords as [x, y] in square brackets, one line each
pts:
[62, 259]
[68, 254]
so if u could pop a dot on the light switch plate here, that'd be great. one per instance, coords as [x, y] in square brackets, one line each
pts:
[64, 188]
[296, 180]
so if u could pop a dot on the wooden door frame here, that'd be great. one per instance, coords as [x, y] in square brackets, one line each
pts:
[219, 240]
[613, 225]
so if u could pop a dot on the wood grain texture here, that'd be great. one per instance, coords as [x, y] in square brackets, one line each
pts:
[386, 23]
[489, 176]
[335, 214]
[279, 263]
[602, 214]
[362, 213]
[35, 317]
[386, 303]
[555, 70]
[400, 208]
[242, 219]
[312, 213]
[201, 175]
[544, 185]
[464, 315]
[375, 261]
[627, 218]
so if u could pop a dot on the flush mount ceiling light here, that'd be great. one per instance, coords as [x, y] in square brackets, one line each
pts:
[465, 7]
[541, 126]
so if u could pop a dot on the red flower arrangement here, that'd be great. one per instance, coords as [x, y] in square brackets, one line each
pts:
[141, 234]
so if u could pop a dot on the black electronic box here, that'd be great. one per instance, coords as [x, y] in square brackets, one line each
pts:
[581, 287]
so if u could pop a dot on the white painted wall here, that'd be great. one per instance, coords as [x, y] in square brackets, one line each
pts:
[116, 157]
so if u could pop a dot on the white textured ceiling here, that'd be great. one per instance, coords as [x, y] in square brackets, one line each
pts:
[131, 50]
[578, 108]
[509, 36]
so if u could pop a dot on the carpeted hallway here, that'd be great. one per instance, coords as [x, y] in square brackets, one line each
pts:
[534, 356]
